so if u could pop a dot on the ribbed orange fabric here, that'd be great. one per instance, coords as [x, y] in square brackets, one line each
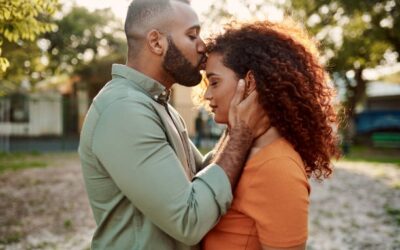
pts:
[270, 205]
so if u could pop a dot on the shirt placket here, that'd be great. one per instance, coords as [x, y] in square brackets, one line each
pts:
[163, 99]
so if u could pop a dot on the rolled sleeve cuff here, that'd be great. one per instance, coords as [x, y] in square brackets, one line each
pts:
[217, 180]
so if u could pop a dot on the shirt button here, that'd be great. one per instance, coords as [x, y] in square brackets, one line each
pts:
[156, 97]
[164, 93]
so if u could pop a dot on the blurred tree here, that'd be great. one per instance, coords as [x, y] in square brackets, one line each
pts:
[24, 20]
[96, 74]
[82, 39]
[355, 35]
[87, 44]
[26, 65]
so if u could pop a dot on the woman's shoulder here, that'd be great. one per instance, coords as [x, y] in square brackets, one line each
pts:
[277, 159]
[279, 150]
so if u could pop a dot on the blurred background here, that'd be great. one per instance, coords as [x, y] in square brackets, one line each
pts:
[55, 55]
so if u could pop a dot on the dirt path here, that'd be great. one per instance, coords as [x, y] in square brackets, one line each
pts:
[47, 208]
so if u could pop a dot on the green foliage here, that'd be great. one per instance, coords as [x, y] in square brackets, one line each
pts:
[82, 40]
[373, 154]
[24, 20]
[67, 224]
[24, 66]
[19, 161]
[355, 35]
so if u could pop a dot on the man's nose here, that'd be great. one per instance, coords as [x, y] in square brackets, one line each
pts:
[201, 47]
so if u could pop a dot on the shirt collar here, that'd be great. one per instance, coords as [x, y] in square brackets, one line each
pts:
[153, 88]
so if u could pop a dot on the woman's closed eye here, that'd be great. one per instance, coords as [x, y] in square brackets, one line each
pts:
[213, 83]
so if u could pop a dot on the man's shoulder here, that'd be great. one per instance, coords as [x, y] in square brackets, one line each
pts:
[118, 91]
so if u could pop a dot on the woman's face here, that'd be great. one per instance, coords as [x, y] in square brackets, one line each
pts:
[221, 87]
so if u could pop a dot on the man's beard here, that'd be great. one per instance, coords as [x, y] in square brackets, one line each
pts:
[181, 70]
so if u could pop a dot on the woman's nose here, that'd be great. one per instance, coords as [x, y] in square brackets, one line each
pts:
[207, 94]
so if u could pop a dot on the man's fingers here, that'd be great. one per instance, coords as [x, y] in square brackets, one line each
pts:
[251, 98]
[238, 97]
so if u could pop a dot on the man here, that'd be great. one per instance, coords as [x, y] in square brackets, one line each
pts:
[147, 184]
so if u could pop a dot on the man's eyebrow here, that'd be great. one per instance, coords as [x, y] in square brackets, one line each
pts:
[195, 27]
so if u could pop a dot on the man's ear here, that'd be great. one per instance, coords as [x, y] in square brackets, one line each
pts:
[156, 42]
[250, 82]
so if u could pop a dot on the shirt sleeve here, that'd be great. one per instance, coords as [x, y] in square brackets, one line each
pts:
[278, 202]
[130, 142]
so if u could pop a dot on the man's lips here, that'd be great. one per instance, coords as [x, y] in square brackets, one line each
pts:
[202, 63]
[202, 66]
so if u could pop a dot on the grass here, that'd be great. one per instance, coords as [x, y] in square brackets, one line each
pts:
[67, 224]
[18, 161]
[372, 154]
[14, 237]
[363, 153]
[394, 213]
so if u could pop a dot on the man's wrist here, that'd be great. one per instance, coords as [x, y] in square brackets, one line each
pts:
[234, 154]
[241, 129]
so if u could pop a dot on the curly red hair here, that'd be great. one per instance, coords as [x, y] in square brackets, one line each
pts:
[293, 86]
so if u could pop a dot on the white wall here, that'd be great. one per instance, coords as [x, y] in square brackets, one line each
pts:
[45, 117]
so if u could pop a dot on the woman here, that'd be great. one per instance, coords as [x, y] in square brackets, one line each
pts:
[279, 61]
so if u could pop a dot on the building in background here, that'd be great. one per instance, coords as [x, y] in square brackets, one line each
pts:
[378, 123]
[47, 119]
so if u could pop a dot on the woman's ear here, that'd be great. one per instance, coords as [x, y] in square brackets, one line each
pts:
[250, 83]
[156, 42]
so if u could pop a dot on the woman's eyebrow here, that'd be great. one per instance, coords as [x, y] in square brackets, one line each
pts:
[211, 74]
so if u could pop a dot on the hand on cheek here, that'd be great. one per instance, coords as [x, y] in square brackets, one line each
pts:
[248, 112]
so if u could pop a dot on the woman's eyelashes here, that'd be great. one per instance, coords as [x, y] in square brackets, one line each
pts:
[213, 82]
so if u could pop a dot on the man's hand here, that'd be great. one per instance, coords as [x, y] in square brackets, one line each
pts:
[247, 121]
[247, 113]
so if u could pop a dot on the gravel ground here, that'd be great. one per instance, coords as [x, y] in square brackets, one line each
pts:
[47, 208]
[351, 210]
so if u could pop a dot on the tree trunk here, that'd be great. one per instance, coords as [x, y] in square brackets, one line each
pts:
[355, 94]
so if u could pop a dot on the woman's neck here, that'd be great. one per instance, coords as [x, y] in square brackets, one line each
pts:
[265, 139]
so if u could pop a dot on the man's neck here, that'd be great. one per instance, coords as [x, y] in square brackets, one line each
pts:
[151, 70]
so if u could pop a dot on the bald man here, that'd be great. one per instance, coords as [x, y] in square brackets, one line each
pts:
[148, 186]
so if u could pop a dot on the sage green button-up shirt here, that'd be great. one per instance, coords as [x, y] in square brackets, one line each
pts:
[138, 163]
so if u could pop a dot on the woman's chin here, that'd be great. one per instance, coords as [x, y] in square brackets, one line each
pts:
[220, 120]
